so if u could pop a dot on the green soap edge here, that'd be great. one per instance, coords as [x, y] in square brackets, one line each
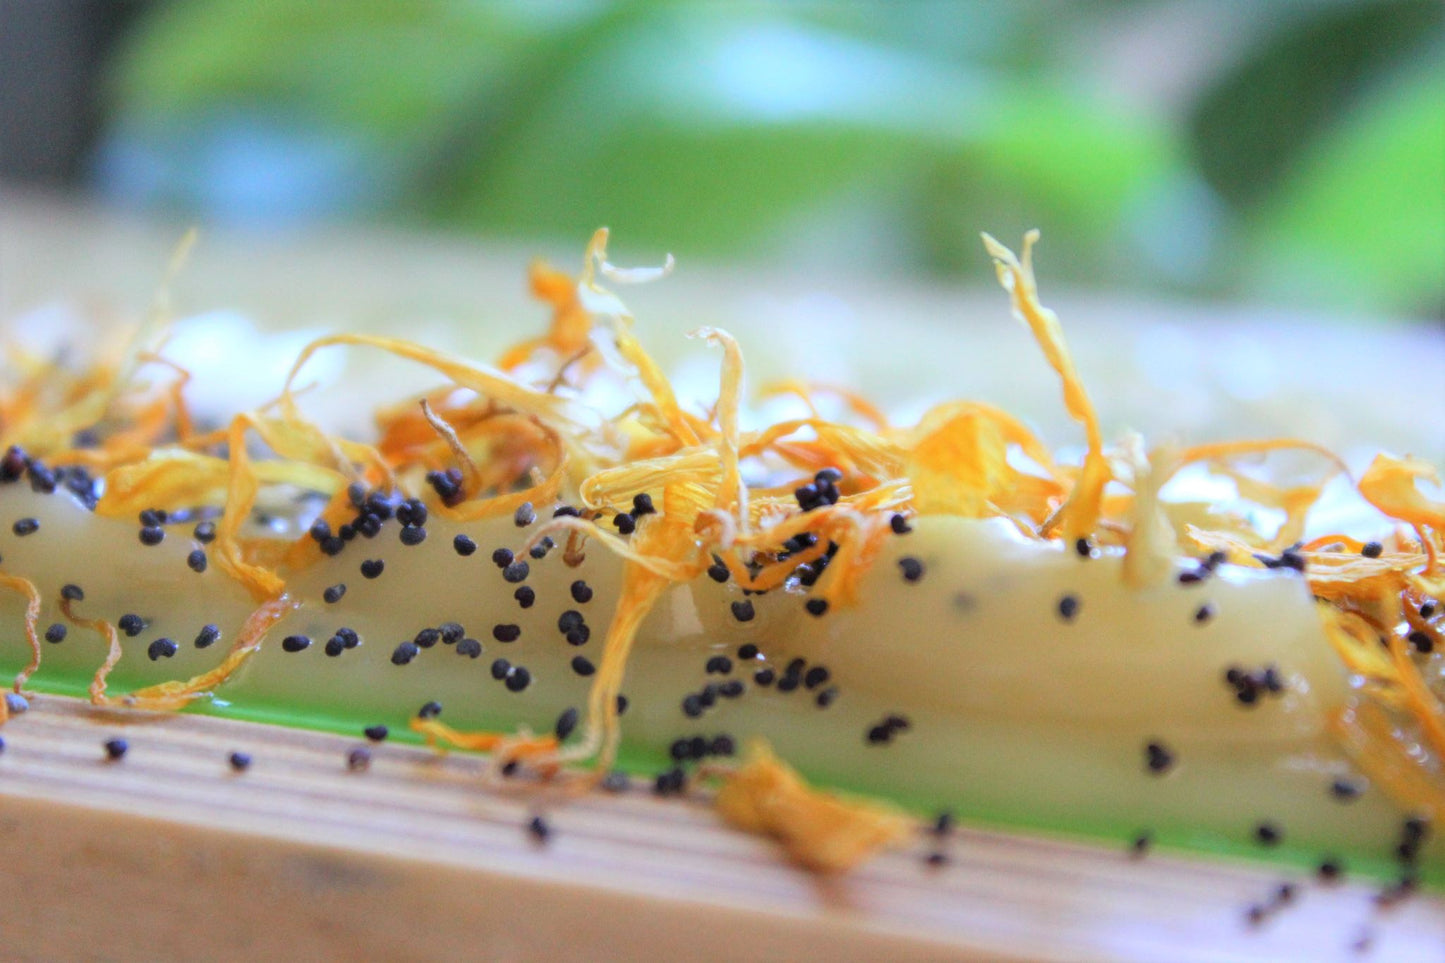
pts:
[635, 760]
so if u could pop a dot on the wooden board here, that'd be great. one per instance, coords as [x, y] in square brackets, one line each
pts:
[169, 854]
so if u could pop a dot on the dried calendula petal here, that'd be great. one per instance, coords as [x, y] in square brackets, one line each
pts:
[818, 829]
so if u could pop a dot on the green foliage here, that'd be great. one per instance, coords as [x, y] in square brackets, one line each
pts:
[732, 130]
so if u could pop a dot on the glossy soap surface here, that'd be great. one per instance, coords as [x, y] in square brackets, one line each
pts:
[1016, 714]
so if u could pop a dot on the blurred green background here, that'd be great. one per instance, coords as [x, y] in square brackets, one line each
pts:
[1278, 150]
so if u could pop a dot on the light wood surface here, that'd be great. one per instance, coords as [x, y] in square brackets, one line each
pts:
[169, 854]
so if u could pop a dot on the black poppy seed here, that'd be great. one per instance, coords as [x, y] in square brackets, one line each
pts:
[358, 759]
[718, 572]
[788, 683]
[464, 546]
[566, 723]
[581, 592]
[1372, 550]
[524, 515]
[196, 561]
[816, 676]
[1068, 607]
[565, 511]
[347, 533]
[642, 505]
[1157, 758]
[115, 748]
[470, 648]
[1084, 548]
[1204, 613]
[510, 768]
[334, 593]
[376, 733]
[56, 633]
[132, 625]
[25, 526]
[72, 593]
[348, 637]
[429, 710]
[540, 550]
[525, 596]
[427, 638]
[502, 557]
[518, 679]
[516, 572]
[295, 643]
[621, 704]
[681, 749]
[743, 610]
[1421, 641]
[911, 568]
[451, 632]
[569, 620]
[582, 665]
[333, 546]
[1267, 834]
[239, 761]
[1271, 680]
[372, 567]
[730, 689]
[827, 697]
[747, 651]
[506, 632]
[413, 535]
[669, 783]
[148, 518]
[1345, 790]
[1191, 578]
[1427, 610]
[796, 666]
[319, 531]
[692, 706]
[162, 648]
[404, 653]
[334, 647]
[1141, 843]
[500, 668]
[1330, 869]
[151, 535]
[899, 523]
[764, 677]
[368, 526]
[719, 665]
[879, 735]
[625, 523]
[816, 606]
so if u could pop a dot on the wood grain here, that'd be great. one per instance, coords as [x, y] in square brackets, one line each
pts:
[169, 854]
